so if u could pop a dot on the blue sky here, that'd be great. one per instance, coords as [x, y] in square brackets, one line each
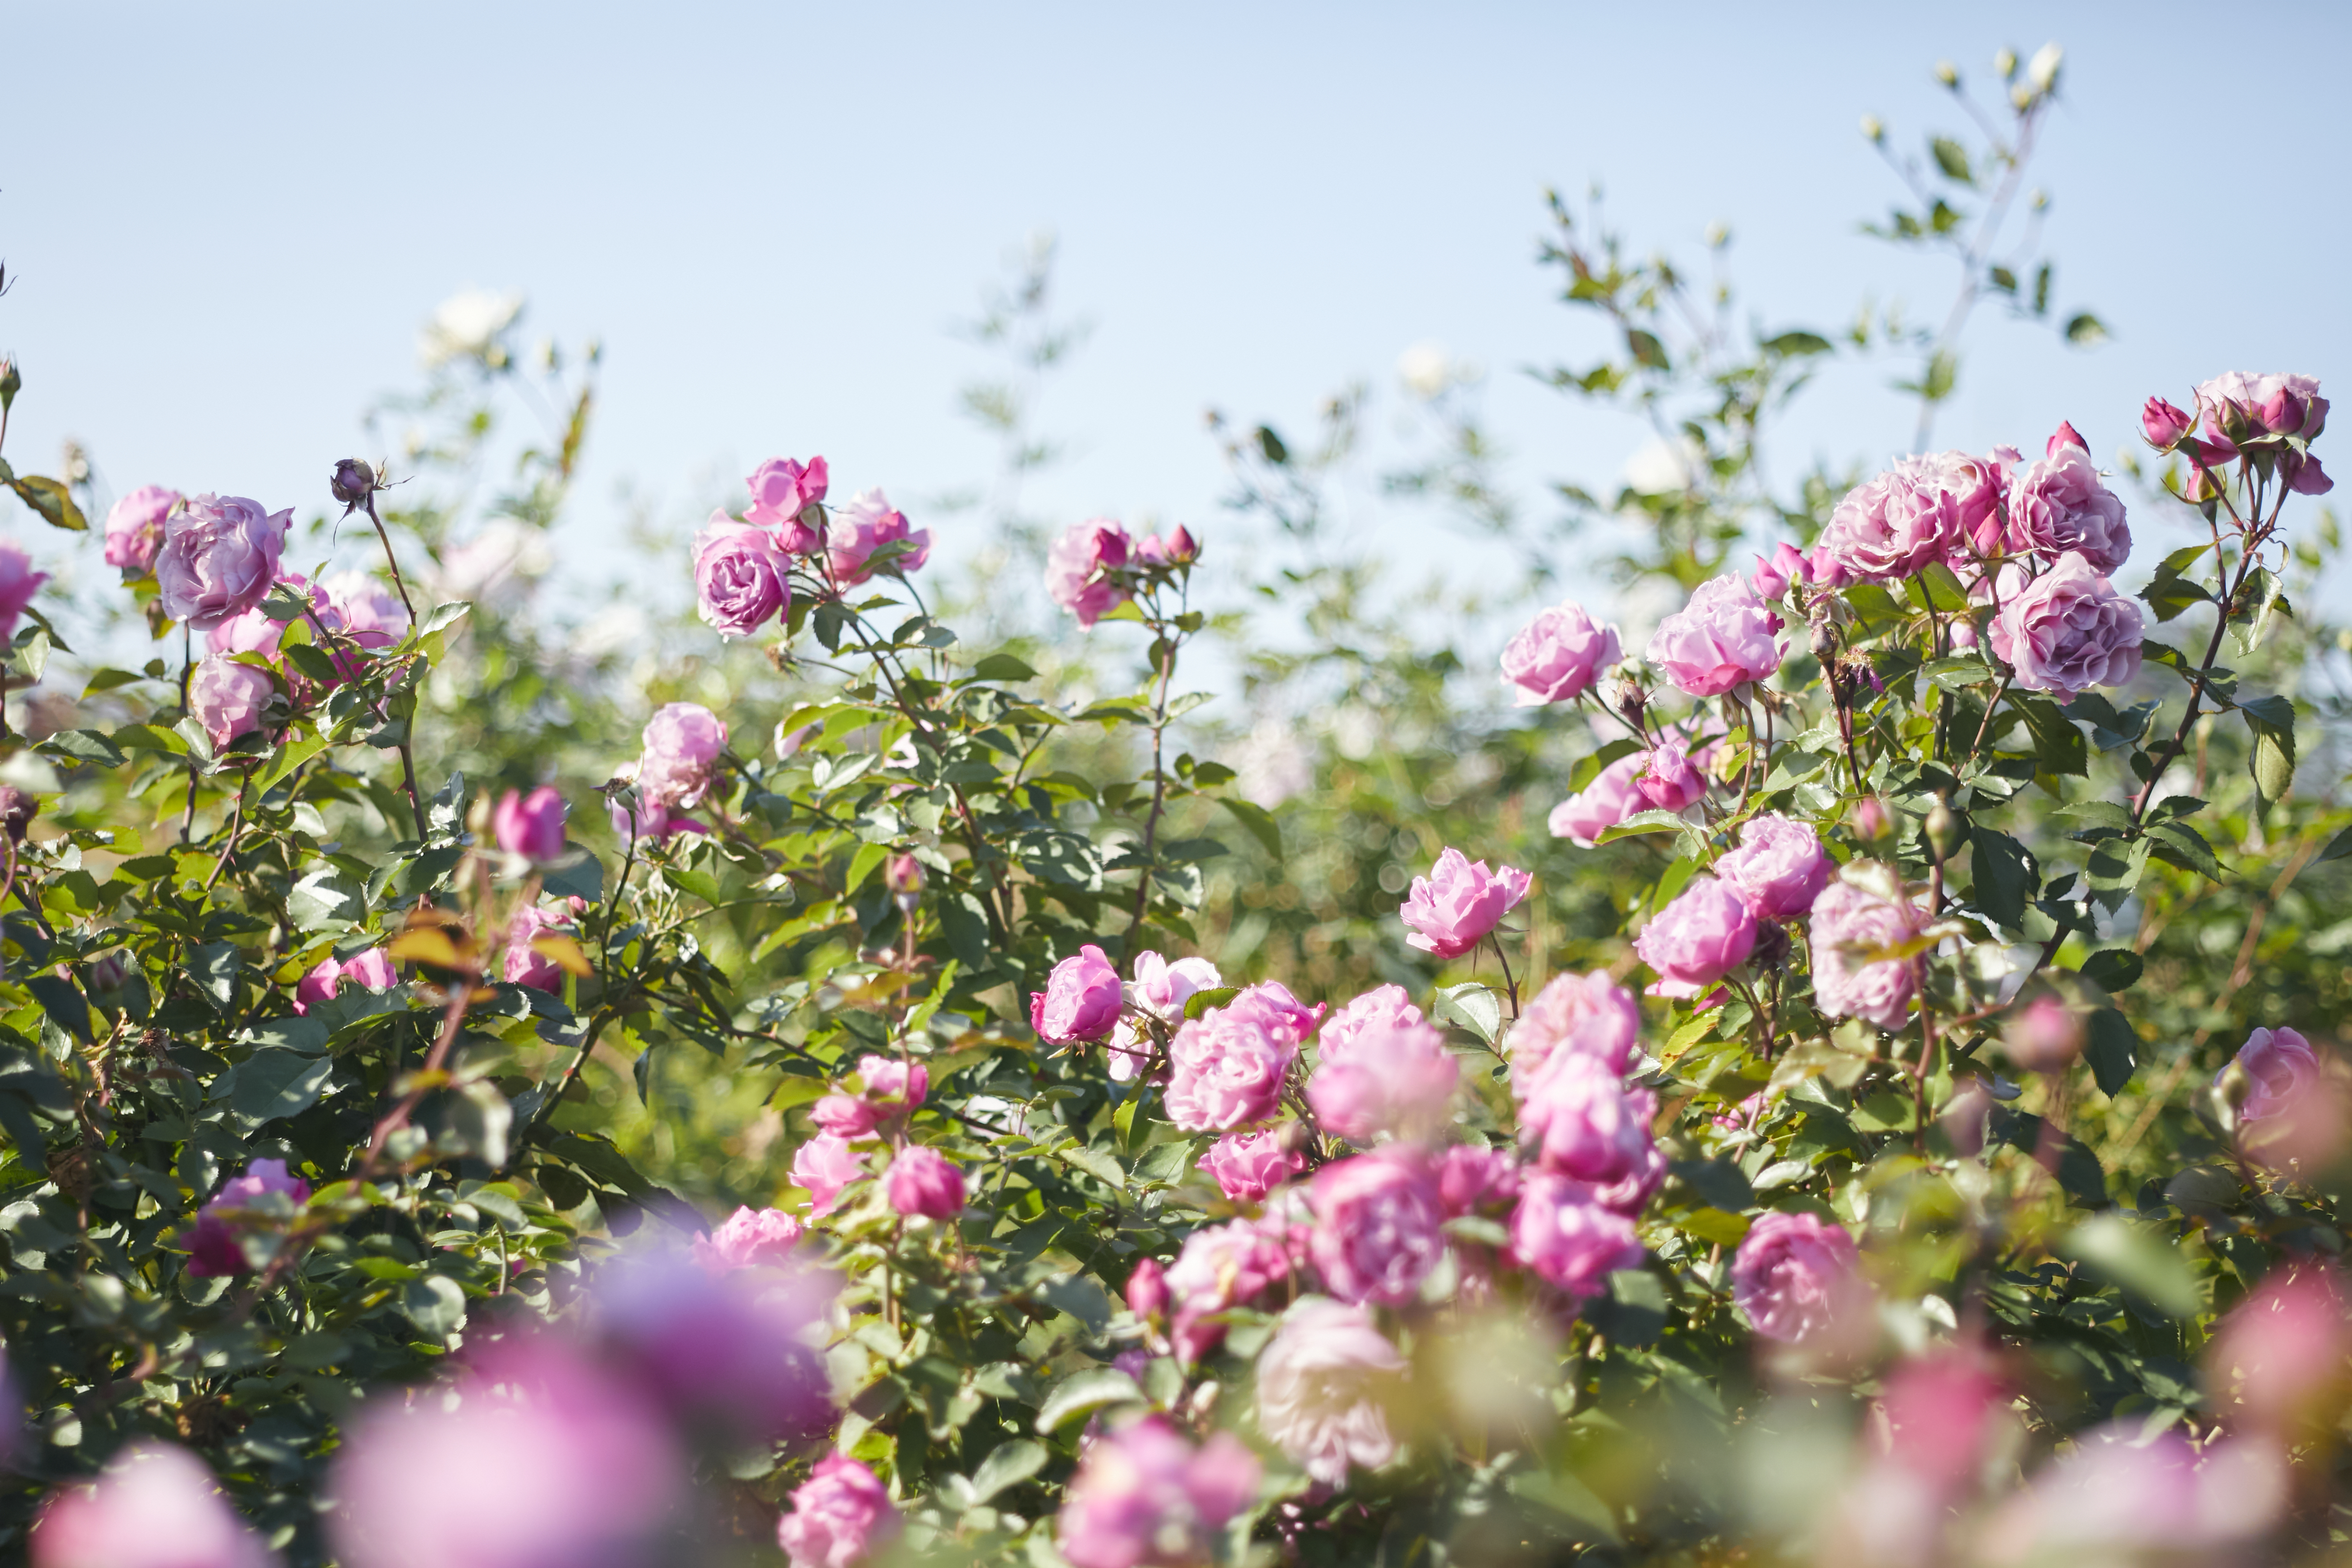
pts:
[228, 225]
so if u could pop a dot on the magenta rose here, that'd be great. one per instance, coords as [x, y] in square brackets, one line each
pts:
[1665, 779]
[1458, 903]
[1723, 638]
[750, 1238]
[1923, 509]
[2283, 1068]
[1608, 800]
[135, 527]
[739, 582]
[1701, 936]
[1772, 578]
[2058, 505]
[1378, 1225]
[1473, 1179]
[825, 1166]
[1248, 1165]
[1794, 1276]
[1146, 1289]
[1588, 1012]
[219, 557]
[682, 745]
[227, 697]
[155, 1506]
[1144, 1495]
[1858, 971]
[1080, 1001]
[1081, 569]
[1226, 1067]
[1557, 656]
[1779, 867]
[894, 1083]
[264, 1197]
[923, 1181]
[530, 826]
[867, 523]
[525, 964]
[371, 971]
[2242, 408]
[2068, 631]
[2164, 425]
[1583, 1122]
[1570, 1240]
[1395, 1078]
[1221, 1267]
[782, 489]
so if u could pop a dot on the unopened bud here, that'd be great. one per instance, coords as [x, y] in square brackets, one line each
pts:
[2163, 424]
[353, 482]
[1872, 128]
[2231, 1089]
[904, 877]
[1146, 1289]
[1947, 73]
[17, 809]
[2004, 64]
[1868, 819]
[1943, 830]
[2022, 96]
[11, 383]
[2042, 70]
[1182, 547]
[1631, 701]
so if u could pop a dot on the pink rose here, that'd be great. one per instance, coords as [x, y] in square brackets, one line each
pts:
[845, 1116]
[922, 1181]
[891, 1082]
[1320, 1387]
[1161, 988]
[2283, 1068]
[2243, 408]
[371, 970]
[135, 527]
[840, 1514]
[651, 822]
[1458, 903]
[780, 490]
[372, 617]
[1377, 1010]
[228, 698]
[1397, 1078]
[215, 1242]
[2058, 505]
[1557, 656]
[2279, 1356]
[1146, 1289]
[1176, 549]
[1723, 638]
[2164, 425]
[740, 581]
[2118, 1496]
[1608, 800]
[219, 557]
[1923, 509]
[1794, 1275]
[155, 1506]
[682, 744]
[1081, 569]
[1473, 1179]
[1583, 1123]
[1144, 1495]
[826, 1165]
[1855, 973]
[1772, 578]
[530, 826]
[1377, 1225]
[1939, 1413]
[1567, 1240]
[1586, 1013]
[864, 526]
[1665, 778]
[1227, 1067]
[2044, 1035]
[1222, 1267]
[1248, 1165]
[18, 583]
[1779, 867]
[2068, 631]
[1080, 1001]
[1701, 936]
[525, 964]
[750, 1238]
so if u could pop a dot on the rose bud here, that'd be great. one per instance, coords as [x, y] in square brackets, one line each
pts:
[2043, 1035]
[2163, 424]
[2066, 436]
[903, 875]
[353, 482]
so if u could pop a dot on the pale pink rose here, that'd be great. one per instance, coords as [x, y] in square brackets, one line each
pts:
[215, 1242]
[1080, 1001]
[1724, 637]
[2067, 631]
[750, 1238]
[1920, 510]
[2058, 505]
[1665, 779]
[1176, 549]
[228, 698]
[219, 557]
[1377, 1010]
[2118, 1497]
[1143, 1494]
[525, 964]
[826, 1165]
[1452, 907]
[1704, 934]
[1377, 1225]
[530, 826]
[893, 1083]
[1226, 1067]
[845, 1116]
[2283, 1069]
[1852, 927]
[1321, 1382]
[740, 581]
[155, 1506]
[135, 527]
[1221, 1267]
[2242, 408]
[1394, 1078]
[922, 1181]
[1779, 867]
[1473, 1179]
[1583, 1122]
[782, 489]
[1082, 567]
[1588, 1012]
[2280, 1357]
[1161, 988]
[1607, 801]
[1568, 1239]
[682, 745]
[1248, 1165]
[840, 1515]
[864, 526]
[1794, 1275]
[1557, 656]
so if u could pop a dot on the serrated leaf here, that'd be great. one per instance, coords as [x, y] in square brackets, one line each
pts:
[52, 500]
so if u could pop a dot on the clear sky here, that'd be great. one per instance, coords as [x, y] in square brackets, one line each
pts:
[227, 223]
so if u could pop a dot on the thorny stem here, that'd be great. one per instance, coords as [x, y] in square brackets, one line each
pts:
[392, 560]
[1165, 646]
[1509, 984]
[236, 825]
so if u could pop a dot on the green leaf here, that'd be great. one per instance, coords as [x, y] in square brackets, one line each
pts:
[2339, 846]
[2113, 968]
[862, 865]
[1943, 589]
[84, 746]
[1562, 1494]
[2085, 330]
[2112, 1048]
[1209, 1000]
[1008, 1463]
[1099, 1164]
[2170, 591]
[1643, 822]
[1259, 821]
[1085, 1392]
[1792, 343]
[2056, 742]
[1473, 1006]
[2006, 880]
[272, 1083]
[2271, 719]
[442, 616]
[1958, 674]
[2125, 1254]
[63, 1001]
[51, 499]
[1953, 159]
[580, 878]
[1003, 667]
[434, 1304]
